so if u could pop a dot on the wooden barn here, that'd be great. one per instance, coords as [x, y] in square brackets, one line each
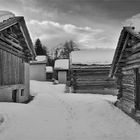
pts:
[89, 71]
[61, 70]
[38, 68]
[16, 50]
[126, 70]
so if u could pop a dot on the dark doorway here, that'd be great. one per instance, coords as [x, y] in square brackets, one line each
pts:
[137, 97]
[14, 95]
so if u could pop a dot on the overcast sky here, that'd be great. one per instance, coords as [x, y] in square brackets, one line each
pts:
[91, 23]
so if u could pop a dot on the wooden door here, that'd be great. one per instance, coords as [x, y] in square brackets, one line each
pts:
[137, 86]
[62, 77]
[14, 95]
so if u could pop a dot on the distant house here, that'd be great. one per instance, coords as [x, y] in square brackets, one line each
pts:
[16, 50]
[126, 70]
[89, 71]
[61, 70]
[38, 68]
[49, 73]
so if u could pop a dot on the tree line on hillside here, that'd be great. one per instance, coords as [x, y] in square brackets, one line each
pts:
[59, 52]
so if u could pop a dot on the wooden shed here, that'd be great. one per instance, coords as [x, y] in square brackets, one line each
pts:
[38, 68]
[126, 70]
[16, 50]
[61, 70]
[89, 71]
[49, 73]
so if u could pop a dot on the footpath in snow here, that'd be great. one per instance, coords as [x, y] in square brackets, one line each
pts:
[55, 115]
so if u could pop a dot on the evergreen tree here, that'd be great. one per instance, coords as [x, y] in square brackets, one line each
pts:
[39, 48]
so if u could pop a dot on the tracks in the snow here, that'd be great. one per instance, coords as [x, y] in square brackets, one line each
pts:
[70, 118]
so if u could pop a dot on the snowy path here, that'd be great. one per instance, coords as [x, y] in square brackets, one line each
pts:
[54, 115]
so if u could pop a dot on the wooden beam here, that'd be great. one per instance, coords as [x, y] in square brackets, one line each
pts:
[17, 46]
[133, 61]
[129, 67]
[9, 36]
[8, 48]
[124, 47]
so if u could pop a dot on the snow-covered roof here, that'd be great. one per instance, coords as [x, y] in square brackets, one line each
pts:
[49, 69]
[62, 64]
[4, 15]
[40, 59]
[90, 57]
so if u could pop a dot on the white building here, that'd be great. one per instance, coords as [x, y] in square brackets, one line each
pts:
[38, 68]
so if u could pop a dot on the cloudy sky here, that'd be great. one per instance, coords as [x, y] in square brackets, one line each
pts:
[91, 23]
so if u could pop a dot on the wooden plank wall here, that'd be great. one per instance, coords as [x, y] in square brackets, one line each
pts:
[128, 89]
[91, 80]
[11, 69]
[128, 84]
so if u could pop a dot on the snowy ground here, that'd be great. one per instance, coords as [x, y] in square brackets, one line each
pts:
[55, 115]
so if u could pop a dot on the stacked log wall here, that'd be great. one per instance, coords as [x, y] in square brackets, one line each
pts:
[128, 90]
[91, 80]
[128, 84]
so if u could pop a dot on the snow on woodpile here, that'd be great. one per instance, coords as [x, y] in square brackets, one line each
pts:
[90, 57]
[49, 69]
[62, 64]
[4, 15]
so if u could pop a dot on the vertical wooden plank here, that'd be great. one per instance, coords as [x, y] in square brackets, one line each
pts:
[15, 70]
[2, 58]
[4, 68]
[7, 66]
[18, 75]
[23, 72]
[0, 67]
[12, 70]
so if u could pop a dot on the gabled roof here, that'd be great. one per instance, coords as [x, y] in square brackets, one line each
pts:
[23, 28]
[121, 46]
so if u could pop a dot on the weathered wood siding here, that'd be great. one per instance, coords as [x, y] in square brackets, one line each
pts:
[16, 50]
[90, 80]
[127, 84]
[11, 69]
[127, 90]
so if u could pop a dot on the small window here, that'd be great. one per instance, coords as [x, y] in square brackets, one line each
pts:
[22, 92]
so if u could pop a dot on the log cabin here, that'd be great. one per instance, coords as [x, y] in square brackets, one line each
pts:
[89, 72]
[61, 70]
[126, 70]
[16, 50]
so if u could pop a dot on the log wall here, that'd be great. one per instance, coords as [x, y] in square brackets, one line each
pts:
[128, 90]
[127, 86]
[90, 80]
